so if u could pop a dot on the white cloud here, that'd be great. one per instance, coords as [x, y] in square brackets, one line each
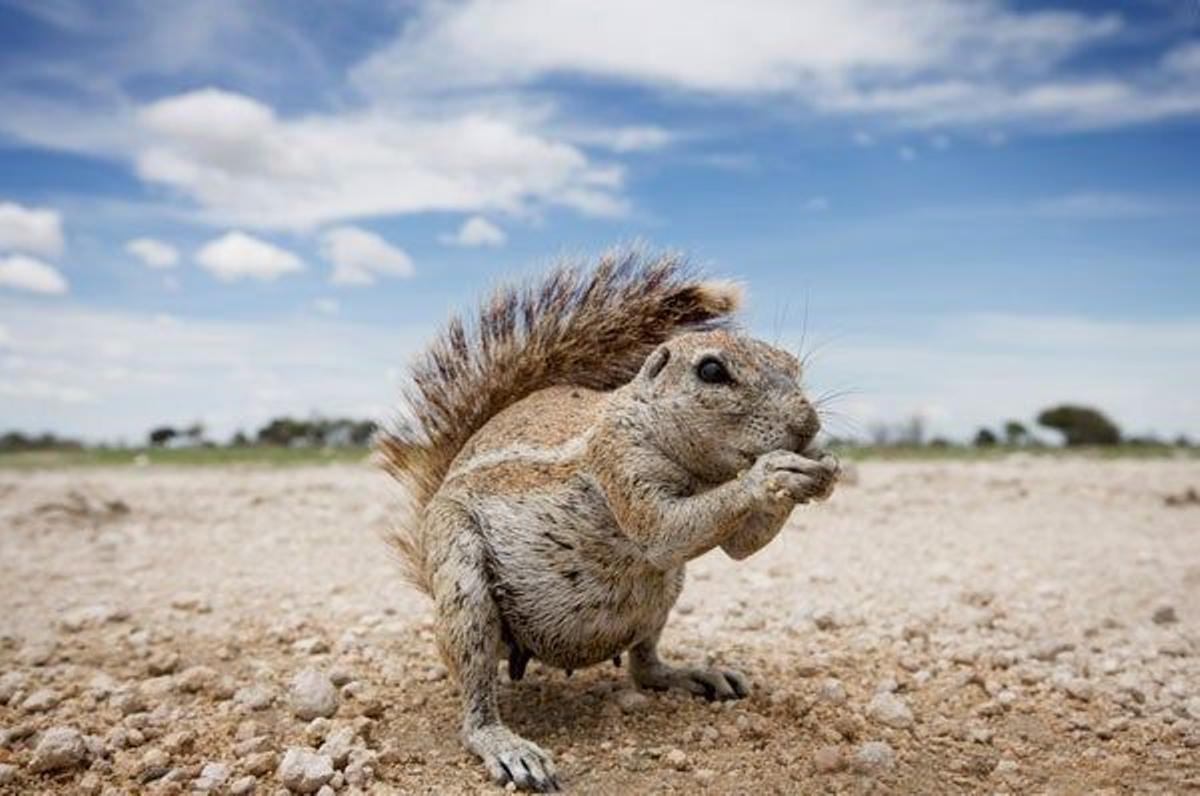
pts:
[153, 253]
[863, 139]
[906, 153]
[5, 336]
[327, 306]
[637, 138]
[20, 272]
[32, 230]
[236, 255]
[1098, 205]
[245, 165]
[359, 256]
[939, 63]
[765, 46]
[815, 204]
[1184, 59]
[476, 231]
[42, 390]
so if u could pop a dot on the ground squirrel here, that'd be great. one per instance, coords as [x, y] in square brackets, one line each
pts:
[567, 453]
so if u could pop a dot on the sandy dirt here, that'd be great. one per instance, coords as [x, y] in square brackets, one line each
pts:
[1029, 625]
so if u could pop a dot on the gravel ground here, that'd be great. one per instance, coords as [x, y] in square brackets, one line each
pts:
[1024, 625]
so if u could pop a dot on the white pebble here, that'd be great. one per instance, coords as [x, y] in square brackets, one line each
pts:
[889, 709]
[304, 771]
[313, 695]
[59, 748]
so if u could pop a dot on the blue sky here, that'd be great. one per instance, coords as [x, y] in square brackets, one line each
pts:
[223, 211]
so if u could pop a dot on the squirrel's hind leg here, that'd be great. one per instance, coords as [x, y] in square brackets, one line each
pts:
[648, 671]
[470, 634]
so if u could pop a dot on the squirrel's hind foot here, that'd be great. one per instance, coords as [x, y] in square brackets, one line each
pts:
[510, 758]
[712, 684]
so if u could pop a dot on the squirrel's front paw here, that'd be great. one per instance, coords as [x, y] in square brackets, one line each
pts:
[708, 683]
[784, 475]
[510, 758]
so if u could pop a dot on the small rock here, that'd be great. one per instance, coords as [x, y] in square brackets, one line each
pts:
[677, 760]
[8, 773]
[259, 763]
[304, 771]
[40, 701]
[337, 746]
[155, 765]
[195, 679]
[164, 662]
[1165, 615]
[1006, 768]
[179, 741]
[39, 653]
[873, 757]
[705, 776]
[58, 749]
[311, 645]
[212, 776]
[313, 695]
[191, 602]
[1050, 649]
[128, 701]
[632, 701]
[253, 697]
[90, 616]
[829, 760]
[832, 691]
[243, 786]
[1078, 688]
[435, 673]
[11, 684]
[251, 745]
[889, 709]
[12, 735]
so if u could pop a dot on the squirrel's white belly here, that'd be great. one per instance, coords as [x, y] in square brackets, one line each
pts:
[572, 588]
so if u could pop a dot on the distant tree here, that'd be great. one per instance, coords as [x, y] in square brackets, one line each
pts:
[1015, 433]
[985, 438]
[17, 441]
[912, 432]
[239, 439]
[881, 434]
[939, 442]
[161, 436]
[1080, 425]
[194, 433]
[283, 431]
[1183, 441]
[362, 431]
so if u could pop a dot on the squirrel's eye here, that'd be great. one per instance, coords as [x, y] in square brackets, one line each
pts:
[713, 372]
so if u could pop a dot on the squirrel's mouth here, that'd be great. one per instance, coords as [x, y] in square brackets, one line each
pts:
[804, 435]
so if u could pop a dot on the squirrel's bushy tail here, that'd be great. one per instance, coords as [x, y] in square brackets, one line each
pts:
[591, 327]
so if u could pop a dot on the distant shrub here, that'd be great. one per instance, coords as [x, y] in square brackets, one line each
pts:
[1080, 425]
[985, 438]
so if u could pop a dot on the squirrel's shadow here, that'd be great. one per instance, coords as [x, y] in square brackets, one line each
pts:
[546, 701]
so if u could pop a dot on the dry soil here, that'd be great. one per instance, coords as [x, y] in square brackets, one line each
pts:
[1027, 625]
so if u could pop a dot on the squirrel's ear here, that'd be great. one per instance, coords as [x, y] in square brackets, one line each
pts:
[654, 363]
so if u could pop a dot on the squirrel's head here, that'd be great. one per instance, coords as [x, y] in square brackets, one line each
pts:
[720, 400]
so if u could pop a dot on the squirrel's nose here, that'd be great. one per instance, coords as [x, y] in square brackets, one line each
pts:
[803, 427]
